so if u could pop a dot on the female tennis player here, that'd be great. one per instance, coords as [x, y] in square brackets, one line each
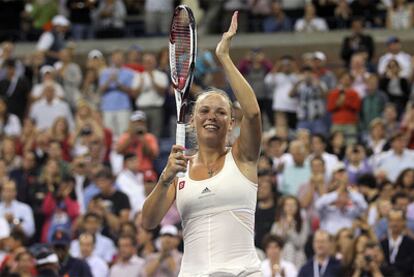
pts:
[216, 198]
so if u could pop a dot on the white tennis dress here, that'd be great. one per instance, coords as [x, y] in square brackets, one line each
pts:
[218, 224]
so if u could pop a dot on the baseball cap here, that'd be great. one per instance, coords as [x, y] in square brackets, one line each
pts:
[43, 254]
[319, 55]
[138, 115]
[95, 54]
[340, 166]
[392, 39]
[4, 228]
[60, 20]
[46, 69]
[169, 230]
[60, 237]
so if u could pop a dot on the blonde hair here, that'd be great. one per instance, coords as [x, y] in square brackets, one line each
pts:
[213, 91]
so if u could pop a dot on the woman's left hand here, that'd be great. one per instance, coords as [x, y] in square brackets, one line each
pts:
[223, 46]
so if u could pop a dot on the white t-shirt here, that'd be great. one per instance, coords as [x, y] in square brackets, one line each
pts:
[133, 186]
[315, 25]
[149, 97]
[403, 59]
[45, 41]
[288, 268]
[13, 126]
[281, 84]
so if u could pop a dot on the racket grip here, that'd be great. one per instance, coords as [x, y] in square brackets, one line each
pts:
[180, 140]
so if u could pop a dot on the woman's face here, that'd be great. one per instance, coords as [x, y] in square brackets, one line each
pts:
[408, 179]
[345, 238]
[273, 250]
[212, 119]
[61, 125]
[52, 167]
[338, 139]
[290, 207]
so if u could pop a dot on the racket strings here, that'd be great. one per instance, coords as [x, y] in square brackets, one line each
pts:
[182, 46]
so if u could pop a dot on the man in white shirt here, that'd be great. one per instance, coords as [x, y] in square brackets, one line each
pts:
[128, 263]
[395, 53]
[318, 146]
[97, 265]
[151, 86]
[47, 109]
[131, 182]
[17, 214]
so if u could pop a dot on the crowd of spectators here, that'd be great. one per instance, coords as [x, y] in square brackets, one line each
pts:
[82, 144]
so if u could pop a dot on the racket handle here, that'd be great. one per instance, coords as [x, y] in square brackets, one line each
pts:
[180, 140]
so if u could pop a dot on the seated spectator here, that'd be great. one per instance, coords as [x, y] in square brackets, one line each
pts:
[139, 141]
[98, 266]
[61, 134]
[19, 215]
[168, 260]
[89, 87]
[8, 153]
[310, 22]
[46, 260]
[24, 263]
[127, 263]
[275, 150]
[359, 72]
[104, 247]
[397, 246]
[10, 123]
[376, 140]
[274, 264]
[321, 70]
[400, 15]
[48, 76]
[337, 209]
[45, 110]
[344, 248]
[322, 263]
[318, 146]
[336, 145]
[277, 21]
[68, 265]
[356, 163]
[109, 19]
[292, 228]
[394, 52]
[405, 181]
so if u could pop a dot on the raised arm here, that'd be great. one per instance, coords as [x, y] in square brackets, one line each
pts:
[247, 146]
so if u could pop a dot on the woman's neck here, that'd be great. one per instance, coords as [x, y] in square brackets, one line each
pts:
[208, 156]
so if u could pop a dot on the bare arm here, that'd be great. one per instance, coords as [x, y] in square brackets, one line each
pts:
[247, 146]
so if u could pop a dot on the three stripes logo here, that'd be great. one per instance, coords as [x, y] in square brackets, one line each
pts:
[206, 190]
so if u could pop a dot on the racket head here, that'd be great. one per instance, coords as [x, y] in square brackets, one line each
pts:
[182, 52]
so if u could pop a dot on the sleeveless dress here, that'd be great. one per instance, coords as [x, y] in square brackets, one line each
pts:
[218, 224]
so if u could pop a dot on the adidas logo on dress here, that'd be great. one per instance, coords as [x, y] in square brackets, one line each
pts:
[206, 190]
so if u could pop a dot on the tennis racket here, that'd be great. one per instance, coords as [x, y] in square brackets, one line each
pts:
[183, 52]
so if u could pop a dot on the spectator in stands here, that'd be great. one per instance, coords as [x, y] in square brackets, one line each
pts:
[131, 182]
[407, 125]
[357, 41]
[344, 248]
[139, 141]
[69, 75]
[342, 15]
[338, 208]
[359, 72]
[275, 150]
[127, 263]
[254, 67]
[394, 52]
[47, 262]
[395, 160]
[45, 110]
[266, 205]
[18, 214]
[311, 94]
[336, 144]
[48, 76]
[134, 58]
[318, 147]
[115, 85]
[149, 93]
[296, 173]
[280, 81]
[9, 123]
[158, 14]
[167, 261]
[405, 181]
[89, 88]
[109, 19]
[325, 75]
[344, 104]
[376, 140]
[398, 246]
[277, 21]
[80, 15]
[322, 263]
[15, 90]
[356, 163]
[293, 8]
[40, 13]
[104, 247]
[98, 266]
[400, 15]
[23, 264]
[7, 53]
[292, 228]
[391, 122]
[274, 264]
[368, 10]
[9, 154]
[69, 266]
[51, 42]
[310, 22]
[396, 86]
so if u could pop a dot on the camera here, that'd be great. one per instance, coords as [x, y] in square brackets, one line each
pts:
[368, 258]
[140, 130]
[86, 131]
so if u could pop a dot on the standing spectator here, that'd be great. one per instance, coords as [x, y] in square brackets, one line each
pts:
[344, 104]
[167, 261]
[51, 42]
[274, 265]
[310, 22]
[396, 87]
[19, 215]
[292, 228]
[318, 146]
[89, 88]
[359, 73]
[109, 19]
[139, 141]
[322, 263]
[277, 21]
[80, 12]
[400, 15]
[356, 42]
[151, 87]
[127, 263]
[356, 163]
[98, 266]
[338, 209]
[15, 90]
[158, 14]
[115, 85]
[40, 13]
[324, 74]
[311, 93]
[280, 81]
[394, 52]
[48, 76]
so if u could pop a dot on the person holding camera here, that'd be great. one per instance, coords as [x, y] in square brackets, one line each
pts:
[139, 141]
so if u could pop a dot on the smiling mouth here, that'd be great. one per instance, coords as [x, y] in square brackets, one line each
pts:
[211, 127]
